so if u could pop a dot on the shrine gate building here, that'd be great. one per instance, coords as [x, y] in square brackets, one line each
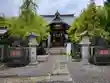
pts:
[59, 24]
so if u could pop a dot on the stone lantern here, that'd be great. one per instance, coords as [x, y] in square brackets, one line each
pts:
[33, 48]
[85, 42]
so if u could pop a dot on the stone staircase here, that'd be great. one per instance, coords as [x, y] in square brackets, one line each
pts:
[57, 51]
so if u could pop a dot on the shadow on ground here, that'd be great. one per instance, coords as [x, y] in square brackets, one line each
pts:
[16, 65]
[103, 64]
[99, 64]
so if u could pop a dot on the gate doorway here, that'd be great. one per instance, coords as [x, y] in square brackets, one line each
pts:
[58, 31]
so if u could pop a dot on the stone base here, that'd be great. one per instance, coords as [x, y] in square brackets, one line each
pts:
[60, 72]
[42, 58]
[60, 68]
[76, 60]
[32, 64]
[85, 62]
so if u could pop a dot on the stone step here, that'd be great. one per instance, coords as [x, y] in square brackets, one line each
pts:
[55, 51]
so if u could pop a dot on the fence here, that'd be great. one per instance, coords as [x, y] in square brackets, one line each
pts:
[13, 53]
[96, 54]
[100, 54]
[18, 51]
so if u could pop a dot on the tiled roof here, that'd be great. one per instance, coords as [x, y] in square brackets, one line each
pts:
[66, 18]
[60, 15]
[3, 31]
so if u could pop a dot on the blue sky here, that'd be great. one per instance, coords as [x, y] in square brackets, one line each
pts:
[11, 7]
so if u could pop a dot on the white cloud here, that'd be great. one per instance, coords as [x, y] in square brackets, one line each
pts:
[53, 6]
[11, 7]
[64, 6]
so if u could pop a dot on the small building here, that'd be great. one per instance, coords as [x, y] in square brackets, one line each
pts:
[3, 35]
[59, 24]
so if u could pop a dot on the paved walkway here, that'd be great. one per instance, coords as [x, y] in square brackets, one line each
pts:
[56, 64]
[89, 73]
[39, 70]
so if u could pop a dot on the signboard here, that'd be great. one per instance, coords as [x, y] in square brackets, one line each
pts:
[57, 25]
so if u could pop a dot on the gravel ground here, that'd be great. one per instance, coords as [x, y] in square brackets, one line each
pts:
[89, 73]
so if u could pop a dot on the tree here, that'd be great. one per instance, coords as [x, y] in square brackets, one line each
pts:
[28, 10]
[28, 21]
[90, 21]
[107, 13]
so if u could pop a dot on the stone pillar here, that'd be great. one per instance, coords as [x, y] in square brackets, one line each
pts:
[85, 49]
[33, 55]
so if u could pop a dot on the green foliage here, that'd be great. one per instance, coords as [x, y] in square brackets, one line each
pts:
[107, 14]
[89, 20]
[28, 21]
